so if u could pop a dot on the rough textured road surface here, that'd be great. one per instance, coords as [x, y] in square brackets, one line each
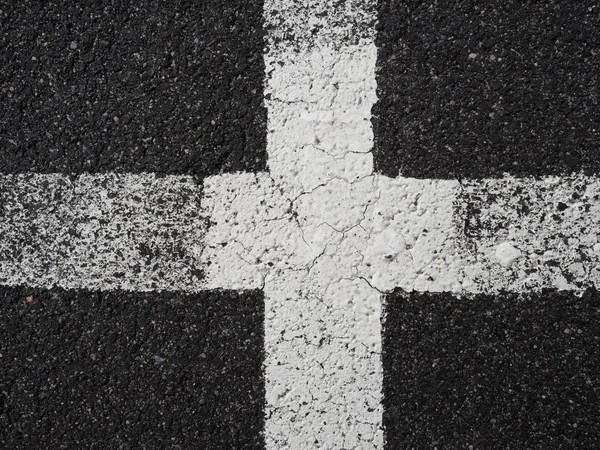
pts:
[300, 224]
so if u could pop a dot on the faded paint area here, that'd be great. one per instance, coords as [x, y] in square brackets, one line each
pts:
[553, 223]
[101, 231]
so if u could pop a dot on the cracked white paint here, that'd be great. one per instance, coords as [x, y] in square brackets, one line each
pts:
[325, 257]
[322, 328]
[295, 233]
[324, 237]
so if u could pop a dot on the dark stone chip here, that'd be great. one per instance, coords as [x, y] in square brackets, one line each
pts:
[144, 86]
[122, 370]
[492, 372]
[472, 89]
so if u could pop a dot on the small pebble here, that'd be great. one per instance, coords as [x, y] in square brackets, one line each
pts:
[506, 254]
[73, 45]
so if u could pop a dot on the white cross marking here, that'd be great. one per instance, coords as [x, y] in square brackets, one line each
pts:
[320, 233]
[324, 237]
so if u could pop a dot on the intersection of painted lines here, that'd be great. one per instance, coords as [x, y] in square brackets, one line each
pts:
[325, 238]
[113, 113]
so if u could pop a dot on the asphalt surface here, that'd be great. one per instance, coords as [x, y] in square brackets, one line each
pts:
[511, 371]
[123, 370]
[470, 90]
[132, 87]
[466, 90]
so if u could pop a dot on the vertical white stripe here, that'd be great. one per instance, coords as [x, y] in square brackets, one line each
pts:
[323, 329]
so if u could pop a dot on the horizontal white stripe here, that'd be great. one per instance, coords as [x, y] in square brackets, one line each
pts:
[409, 233]
[553, 223]
[104, 231]
[144, 232]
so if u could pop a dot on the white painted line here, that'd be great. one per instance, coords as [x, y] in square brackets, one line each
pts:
[135, 232]
[325, 257]
[322, 323]
[408, 233]
[325, 237]
[281, 232]
[553, 223]
[97, 231]
[323, 368]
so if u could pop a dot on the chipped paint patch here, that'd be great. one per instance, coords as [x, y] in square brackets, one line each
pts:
[101, 231]
[304, 24]
[553, 221]
[506, 254]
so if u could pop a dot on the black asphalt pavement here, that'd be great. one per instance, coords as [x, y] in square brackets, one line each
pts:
[123, 370]
[470, 89]
[132, 86]
[506, 371]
